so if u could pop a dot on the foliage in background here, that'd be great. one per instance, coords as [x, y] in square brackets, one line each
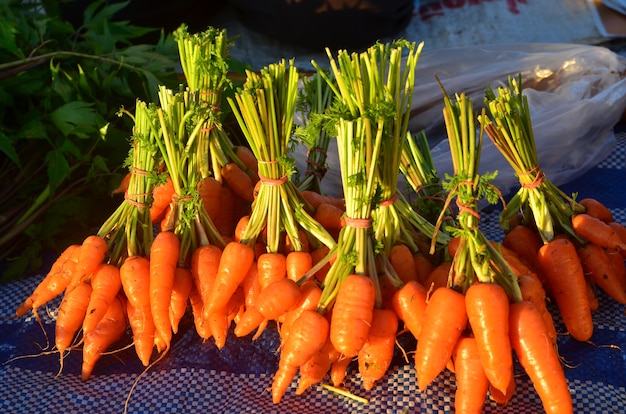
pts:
[61, 142]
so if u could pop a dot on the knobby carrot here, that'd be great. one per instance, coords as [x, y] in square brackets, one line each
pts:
[375, 355]
[338, 369]
[596, 209]
[271, 267]
[307, 336]
[401, 258]
[538, 357]
[239, 181]
[597, 264]
[161, 199]
[164, 254]
[205, 261]
[445, 319]
[180, 296]
[565, 279]
[71, 315]
[487, 306]
[409, 303]
[352, 314]
[110, 329]
[142, 327]
[105, 284]
[54, 283]
[471, 381]
[597, 232]
[93, 250]
[317, 367]
[278, 298]
[202, 326]
[310, 294]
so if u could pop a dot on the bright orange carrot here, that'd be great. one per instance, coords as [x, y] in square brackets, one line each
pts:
[298, 263]
[142, 326]
[329, 216]
[376, 354]
[597, 265]
[352, 314]
[93, 250]
[445, 319]
[487, 306]
[565, 279]
[278, 298]
[338, 369]
[532, 290]
[471, 381]
[162, 197]
[409, 303]
[105, 284]
[401, 258]
[164, 254]
[202, 326]
[538, 357]
[239, 181]
[503, 398]
[235, 262]
[271, 267]
[55, 282]
[317, 367]
[219, 325]
[71, 315]
[180, 296]
[525, 242]
[205, 261]
[241, 226]
[597, 209]
[307, 336]
[597, 232]
[310, 294]
[110, 329]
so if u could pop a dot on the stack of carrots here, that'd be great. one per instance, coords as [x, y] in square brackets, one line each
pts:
[225, 232]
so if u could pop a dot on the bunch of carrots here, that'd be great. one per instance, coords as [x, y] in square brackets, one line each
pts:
[224, 232]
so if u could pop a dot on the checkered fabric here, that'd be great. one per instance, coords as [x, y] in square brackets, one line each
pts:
[196, 377]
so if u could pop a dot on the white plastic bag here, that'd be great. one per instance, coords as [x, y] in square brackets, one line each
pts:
[576, 94]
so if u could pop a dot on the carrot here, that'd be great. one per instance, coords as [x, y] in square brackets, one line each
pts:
[444, 321]
[310, 294]
[538, 357]
[401, 258]
[532, 290]
[617, 263]
[423, 266]
[271, 267]
[566, 283]
[235, 262]
[304, 243]
[246, 156]
[352, 314]
[219, 325]
[338, 369]
[251, 286]
[525, 242]
[92, 252]
[239, 181]
[278, 298]
[597, 265]
[54, 283]
[317, 255]
[241, 226]
[409, 303]
[164, 254]
[123, 186]
[597, 209]
[307, 335]
[201, 325]
[594, 302]
[105, 284]
[376, 354]
[439, 276]
[471, 381]
[226, 218]
[317, 367]
[71, 315]
[487, 306]
[180, 296]
[503, 398]
[250, 320]
[209, 190]
[161, 199]
[205, 261]
[453, 245]
[329, 216]
[298, 263]
[315, 199]
[597, 232]
[142, 327]
[107, 332]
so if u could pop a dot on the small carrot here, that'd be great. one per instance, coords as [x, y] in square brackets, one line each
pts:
[352, 314]
[339, 369]
[278, 298]
[298, 263]
[423, 266]
[561, 267]
[487, 306]
[597, 265]
[205, 261]
[271, 267]
[453, 245]
[246, 156]
[105, 284]
[226, 218]
[375, 356]
[594, 302]
[54, 283]
[161, 199]
[532, 290]
[318, 255]
[619, 266]
[202, 326]
[307, 336]
[317, 367]
[310, 294]
[409, 303]
[538, 357]
[142, 327]
[315, 199]
[471, 381]
[445, 319]
[164, 254]
[595, 208]
[503, 398]
[93, 250]
[239, 181]
[71, 315]
[525, 242]
[180, 296]
[329, 216]
[110, 329]
[241, 226]
[401, 258]
[597, 232]
[209, 190]
[439, 276]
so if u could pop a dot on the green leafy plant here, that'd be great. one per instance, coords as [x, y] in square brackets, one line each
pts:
[62, 145]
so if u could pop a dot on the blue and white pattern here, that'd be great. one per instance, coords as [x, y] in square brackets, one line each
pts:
[196, 377]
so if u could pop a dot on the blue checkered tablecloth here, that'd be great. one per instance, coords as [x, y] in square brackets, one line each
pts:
[196, 377]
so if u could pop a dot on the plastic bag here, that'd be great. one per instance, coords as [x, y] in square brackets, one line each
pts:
[576, 94]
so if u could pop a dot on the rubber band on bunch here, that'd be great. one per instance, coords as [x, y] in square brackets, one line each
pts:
[389, 202]
[130, 198]
[138, 171]
[272, 181]
[538, 179]
[358, 223]
[464, 208]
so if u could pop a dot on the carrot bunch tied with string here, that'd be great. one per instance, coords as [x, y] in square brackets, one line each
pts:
[573, 245]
